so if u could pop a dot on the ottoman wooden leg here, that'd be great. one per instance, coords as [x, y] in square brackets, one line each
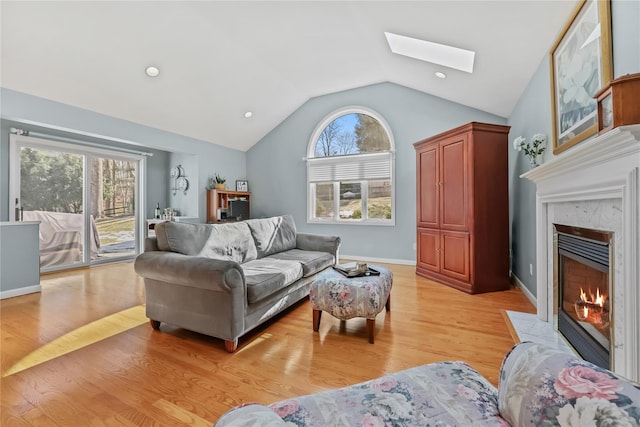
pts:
[371, 327]
[388, 306]
[317, 314]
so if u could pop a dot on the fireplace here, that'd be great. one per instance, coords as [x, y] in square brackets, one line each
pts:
[595, 185]
[584, 284]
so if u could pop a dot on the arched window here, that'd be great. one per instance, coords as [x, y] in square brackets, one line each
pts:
[350, 169]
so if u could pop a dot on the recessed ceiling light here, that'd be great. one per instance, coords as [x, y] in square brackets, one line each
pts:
[441, 54]
[248, 114]
[441, 75]
[152, 71]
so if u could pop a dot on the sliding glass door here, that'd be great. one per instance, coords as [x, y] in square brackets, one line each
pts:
[113, 206]
[51, 191]
[84, 198]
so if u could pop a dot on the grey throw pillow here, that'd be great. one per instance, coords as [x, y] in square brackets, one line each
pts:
[272, 235]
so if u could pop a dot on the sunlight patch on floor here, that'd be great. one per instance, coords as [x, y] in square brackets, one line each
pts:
[88, 334]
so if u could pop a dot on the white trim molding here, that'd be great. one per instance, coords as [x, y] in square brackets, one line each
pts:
[411, 262]
[527, 293]
[20, 291]
[596, 185]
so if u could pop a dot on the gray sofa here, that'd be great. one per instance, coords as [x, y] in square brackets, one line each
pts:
[223, 280]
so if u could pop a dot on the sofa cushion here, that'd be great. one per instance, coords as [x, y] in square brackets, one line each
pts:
[231, 242]
[542, 386]
[273, 235]
[312, 261]
[439, 394]
[266, 276]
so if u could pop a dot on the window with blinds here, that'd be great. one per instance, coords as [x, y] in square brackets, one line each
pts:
[350, 169]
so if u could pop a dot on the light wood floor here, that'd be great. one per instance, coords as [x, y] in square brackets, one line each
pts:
[136, 376]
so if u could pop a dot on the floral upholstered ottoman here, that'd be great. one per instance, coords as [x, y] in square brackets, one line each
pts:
[346, 298]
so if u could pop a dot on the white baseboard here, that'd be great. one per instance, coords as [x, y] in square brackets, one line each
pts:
[20, 291]
[514, 278]
[384, 260]
[524, 290]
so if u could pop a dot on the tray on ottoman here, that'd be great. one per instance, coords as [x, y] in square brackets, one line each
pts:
[350, 270]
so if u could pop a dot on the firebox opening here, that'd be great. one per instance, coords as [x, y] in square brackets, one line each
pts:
[584, 289]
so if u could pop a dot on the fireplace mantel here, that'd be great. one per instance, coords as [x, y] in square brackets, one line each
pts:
[596, 185]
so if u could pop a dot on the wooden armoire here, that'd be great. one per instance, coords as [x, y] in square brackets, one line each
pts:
[463, 208]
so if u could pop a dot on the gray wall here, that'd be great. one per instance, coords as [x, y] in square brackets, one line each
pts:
[19, 258]
[625, 29]
[278, 176]
[532, 114]
[185, 204]
[201, 159]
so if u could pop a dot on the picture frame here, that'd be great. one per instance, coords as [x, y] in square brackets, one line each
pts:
[581, 66]
[242, 185]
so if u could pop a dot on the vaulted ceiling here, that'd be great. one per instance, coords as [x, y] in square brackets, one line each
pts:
[220, 59]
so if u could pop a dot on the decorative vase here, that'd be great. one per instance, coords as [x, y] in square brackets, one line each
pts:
[220, 186]
[533, 161]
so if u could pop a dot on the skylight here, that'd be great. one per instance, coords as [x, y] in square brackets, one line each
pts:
[441, 54]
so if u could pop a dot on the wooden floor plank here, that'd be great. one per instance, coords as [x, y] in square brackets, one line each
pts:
[138, 376]
[180, 414]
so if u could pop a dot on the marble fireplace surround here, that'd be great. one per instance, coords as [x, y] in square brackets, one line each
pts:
[596, 185]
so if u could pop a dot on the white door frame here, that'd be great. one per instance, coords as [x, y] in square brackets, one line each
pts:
[16, 142]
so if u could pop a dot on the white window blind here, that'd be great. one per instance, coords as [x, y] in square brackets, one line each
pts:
[357, 167]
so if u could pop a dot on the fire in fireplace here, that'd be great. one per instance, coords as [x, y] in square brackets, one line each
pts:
[593, 310]
[584, 286]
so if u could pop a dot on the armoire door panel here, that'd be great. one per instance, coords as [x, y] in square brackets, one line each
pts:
[428, 195]
[428, 249]
[454, 247]
[453, 186]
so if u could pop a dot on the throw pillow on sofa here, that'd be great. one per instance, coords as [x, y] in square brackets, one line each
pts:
[231, 242]
[273, 235]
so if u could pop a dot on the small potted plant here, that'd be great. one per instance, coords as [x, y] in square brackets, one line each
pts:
[531, 150]
[219, 182]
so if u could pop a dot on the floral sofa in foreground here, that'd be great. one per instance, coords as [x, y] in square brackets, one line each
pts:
[538, 386]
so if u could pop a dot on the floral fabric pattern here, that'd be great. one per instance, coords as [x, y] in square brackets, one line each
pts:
[439, 394]
[539, 386]
[346, 298]
[544, 387]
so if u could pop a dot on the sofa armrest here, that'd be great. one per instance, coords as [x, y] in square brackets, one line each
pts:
[151, 244]
[318, 242]
[250, 415]
[544, 386]
[197, 272]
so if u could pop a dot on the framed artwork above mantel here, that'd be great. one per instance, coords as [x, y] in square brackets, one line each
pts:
[581, 66]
